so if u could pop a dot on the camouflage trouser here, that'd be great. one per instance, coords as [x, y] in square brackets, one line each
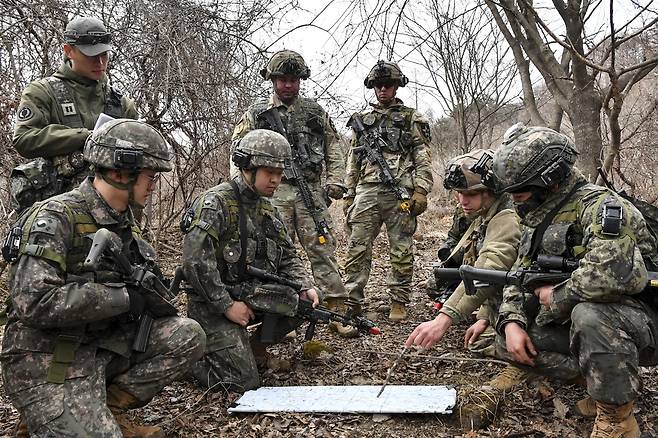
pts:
[605, 343]
[77, 408]
[229, 362]
[485, 344]
[300, 224]
[365, 218]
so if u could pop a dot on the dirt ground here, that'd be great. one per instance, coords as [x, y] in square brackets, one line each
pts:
[537, 409]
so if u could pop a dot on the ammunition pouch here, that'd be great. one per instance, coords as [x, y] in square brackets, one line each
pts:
[33, 181]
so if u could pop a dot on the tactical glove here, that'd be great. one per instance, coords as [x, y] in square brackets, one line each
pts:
[334, 191]
[418, 201]
[347, 203]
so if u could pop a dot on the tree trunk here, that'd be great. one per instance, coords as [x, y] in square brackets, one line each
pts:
[585, 116]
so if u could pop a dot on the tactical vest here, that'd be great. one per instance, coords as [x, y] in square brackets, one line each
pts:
[263, 251]
[42, 178]
[70, 263]
[304, 129]
[394, 127]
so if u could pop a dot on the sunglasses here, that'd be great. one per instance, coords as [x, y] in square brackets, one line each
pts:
[90, 38]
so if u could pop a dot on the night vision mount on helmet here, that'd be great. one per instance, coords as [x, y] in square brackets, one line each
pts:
[286, 62]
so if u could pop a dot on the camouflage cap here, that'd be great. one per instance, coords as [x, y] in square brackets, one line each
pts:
[465, 172]
[385, 71]
[128, 144]
[89, 35]
[262, 148]
[286, 62]
[533, 157]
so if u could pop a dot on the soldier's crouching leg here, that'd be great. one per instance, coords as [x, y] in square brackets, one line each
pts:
[174, 345]
[610, 341]
[228, 363]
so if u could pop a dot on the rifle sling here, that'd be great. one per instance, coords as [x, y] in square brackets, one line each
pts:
[538, 235]
[242, 224]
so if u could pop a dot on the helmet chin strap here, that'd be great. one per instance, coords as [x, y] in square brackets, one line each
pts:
[250, 179]
[128, 186]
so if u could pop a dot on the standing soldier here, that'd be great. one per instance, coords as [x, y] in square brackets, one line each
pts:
[389, 173]
[601, 323]
[56, 115]
[69, 362]
[304, 193]
[228, 228]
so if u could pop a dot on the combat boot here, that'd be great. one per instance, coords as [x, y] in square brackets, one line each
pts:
[586, 407]
[338, 305]
[508, 378]
[21, 428]
[398, 311]
[119, 402]
[479, 406]
[614, 421]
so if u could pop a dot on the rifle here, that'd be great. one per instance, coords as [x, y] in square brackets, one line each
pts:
[305, 309]
[292, 173]
[108, 243]
[547, 269]
[371, 149]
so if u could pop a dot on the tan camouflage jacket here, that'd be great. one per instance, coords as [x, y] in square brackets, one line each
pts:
[39, 130]
[409, 156]
[491, 242]
[611, 267]
[312, 121]
[212, 248]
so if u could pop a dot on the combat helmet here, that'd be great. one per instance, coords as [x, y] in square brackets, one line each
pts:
[470, 171]
[286, 62]
[532, 158]
[89, 35]
[128, 144]
[262, 148]
[385, 71]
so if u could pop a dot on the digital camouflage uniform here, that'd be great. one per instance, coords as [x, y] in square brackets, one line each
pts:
[311, 129]
[375, 204]
[211, 256]
[57, 308]
[43, 131]
[597, 326]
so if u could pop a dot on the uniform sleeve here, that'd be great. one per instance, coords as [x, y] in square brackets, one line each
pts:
[421, 154]
[512, 307]
[40, 295]
[498, 252]
[35, 134]
[334, 157]
[200, 253]
[352, 169]
[612, 266]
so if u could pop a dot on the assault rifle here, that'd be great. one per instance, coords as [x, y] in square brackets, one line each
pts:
[292, 173]
[371, 149]
[107, 243]
[306, 311]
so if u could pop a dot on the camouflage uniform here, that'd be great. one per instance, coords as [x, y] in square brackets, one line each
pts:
[598, 325]
[312, 134]
[43, 130]
[375, 204]
[57, 310]
[211, 260]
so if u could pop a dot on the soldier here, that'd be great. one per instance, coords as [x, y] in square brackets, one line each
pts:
[67, 362]
[228, 227]
[601, 323]
[312, 178]
[490, 242]
[370, 202]
[56, 115]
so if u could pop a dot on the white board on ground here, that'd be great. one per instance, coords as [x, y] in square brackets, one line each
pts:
[396, 399]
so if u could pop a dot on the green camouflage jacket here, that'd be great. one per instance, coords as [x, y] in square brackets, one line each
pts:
[611, 266]
[212, 248]
[40, 131]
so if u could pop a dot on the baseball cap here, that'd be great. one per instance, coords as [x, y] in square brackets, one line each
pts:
[89, 35]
